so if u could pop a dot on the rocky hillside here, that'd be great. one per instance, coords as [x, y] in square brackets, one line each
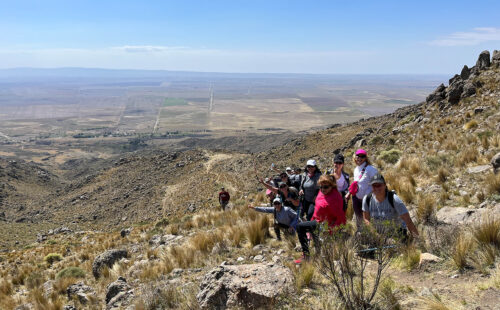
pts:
[144, 230]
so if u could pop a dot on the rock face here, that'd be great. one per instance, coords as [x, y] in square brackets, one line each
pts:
[483, 61]
[427, 259]
[107, 258]
[460, 215]
[495, 162]
[248, 286]
[495, 60]
[455, 90]
[118, 294]
[81, 291]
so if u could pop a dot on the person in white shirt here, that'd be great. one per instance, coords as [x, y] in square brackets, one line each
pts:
[363, 173]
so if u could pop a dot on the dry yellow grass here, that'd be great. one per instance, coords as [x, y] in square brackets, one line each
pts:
[462, 248]
[257, 230]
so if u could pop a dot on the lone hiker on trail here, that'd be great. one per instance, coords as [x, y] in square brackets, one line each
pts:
[223, 198]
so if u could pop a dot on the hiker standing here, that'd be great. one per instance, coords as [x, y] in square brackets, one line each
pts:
[223, 198]
[382, 205]
[328, 207]
[360, 187]
[341, 176]
[309, 188]
[284, 217]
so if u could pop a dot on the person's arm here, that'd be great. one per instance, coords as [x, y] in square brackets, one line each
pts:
[294, 219]
[366, 218]
[268, 186]
[409, 223]
[262, 209]
[364, 182]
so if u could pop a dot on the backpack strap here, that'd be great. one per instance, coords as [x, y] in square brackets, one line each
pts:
[390, 197]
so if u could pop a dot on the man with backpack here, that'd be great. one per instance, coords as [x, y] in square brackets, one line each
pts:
[382, 207]
[284, 217]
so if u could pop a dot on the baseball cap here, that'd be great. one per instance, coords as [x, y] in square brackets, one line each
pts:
[378, 178]
[339, 158]
[361, 152]
[288, 169]
[311, 162]
[276, 200]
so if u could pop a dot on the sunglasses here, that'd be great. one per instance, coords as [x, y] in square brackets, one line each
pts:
[309, 166]
[338, 163]
[325, 186]
[276, 203]
[377, 185]
[283, 186]
[361, 156]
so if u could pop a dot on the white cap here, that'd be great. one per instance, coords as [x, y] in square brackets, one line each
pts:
[276, 200]
[288, 168]
[311, 162]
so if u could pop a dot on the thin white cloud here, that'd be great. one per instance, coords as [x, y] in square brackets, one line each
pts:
[148, 48]
[475, 37]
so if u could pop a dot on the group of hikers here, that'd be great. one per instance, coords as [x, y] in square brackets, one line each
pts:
[302, 201]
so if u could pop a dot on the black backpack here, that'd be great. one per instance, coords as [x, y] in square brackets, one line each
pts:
[390, 197]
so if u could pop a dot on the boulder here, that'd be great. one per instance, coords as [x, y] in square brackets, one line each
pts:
[248, 286]
[107, 258]
[427, 259]
[465, 73]
[478, 169]
[483, 61]
[460, 215]
[114, 288]
[81, 291]
[496, 58]
[468, 90]
[495, 162]
[438, 94]
[455, 90]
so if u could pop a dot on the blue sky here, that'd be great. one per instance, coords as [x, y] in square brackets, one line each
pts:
[421, 37]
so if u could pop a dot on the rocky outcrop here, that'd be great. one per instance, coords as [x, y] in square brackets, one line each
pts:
[454, 92]
[118, 294]
[81, 291]
[107, 258]
[249, 286]
[495, 162]
[483, 62]
[495, 60]
[467, 216]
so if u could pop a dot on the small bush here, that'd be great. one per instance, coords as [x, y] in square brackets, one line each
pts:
[391, 156]
[5, 287]
[52, 258]
[442, 175]
[410, 258]
[71, 272]
[34, 280]
[304, 275]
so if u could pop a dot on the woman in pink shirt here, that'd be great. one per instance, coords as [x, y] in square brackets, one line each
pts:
[328, 207]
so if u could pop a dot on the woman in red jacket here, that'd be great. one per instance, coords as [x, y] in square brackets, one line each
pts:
[328, 207]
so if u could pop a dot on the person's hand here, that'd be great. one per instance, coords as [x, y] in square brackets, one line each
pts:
[301, 192]
[348, 196]
[251, 207]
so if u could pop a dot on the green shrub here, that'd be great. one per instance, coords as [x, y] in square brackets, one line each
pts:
[52, 258]
[391, 156]
[71, 272]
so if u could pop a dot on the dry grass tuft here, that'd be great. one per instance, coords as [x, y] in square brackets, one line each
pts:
[426, 210]
[5, 287]
[467, 155]
[461, 250]
[487, 232]
[492, 183]
[409, 258]
[303, 274]
[443, 174]
[256, 231]
[471, 124]
[235, 235]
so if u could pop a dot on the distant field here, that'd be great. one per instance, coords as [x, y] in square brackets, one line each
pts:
[126, 105]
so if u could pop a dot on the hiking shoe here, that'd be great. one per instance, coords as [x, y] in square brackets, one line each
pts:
[304, 258]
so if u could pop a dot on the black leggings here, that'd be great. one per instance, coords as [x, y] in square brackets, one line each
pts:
[357, 205]
[278, 227]
[302, 230]
[307, 210]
